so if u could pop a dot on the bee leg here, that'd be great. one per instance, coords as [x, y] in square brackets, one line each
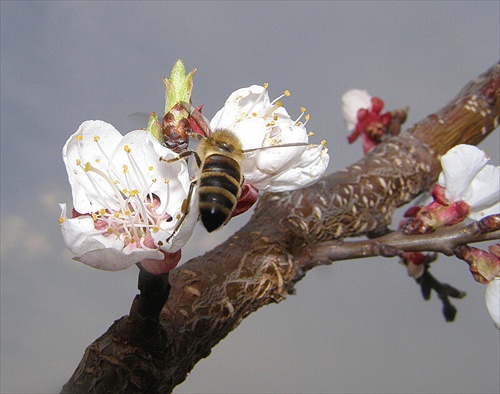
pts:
[185, 209]
[183, 155]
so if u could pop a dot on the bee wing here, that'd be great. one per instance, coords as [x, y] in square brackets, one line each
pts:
[138, 120]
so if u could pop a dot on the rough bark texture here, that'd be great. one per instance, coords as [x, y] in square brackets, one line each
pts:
[211, 294]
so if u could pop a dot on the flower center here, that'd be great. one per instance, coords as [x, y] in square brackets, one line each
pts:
[128, 214]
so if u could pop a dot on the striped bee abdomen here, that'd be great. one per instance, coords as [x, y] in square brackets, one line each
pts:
[220, 187]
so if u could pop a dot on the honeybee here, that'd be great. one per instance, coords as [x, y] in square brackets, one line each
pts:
[218, 157]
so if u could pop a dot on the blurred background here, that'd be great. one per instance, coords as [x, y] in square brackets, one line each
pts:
[356, 326]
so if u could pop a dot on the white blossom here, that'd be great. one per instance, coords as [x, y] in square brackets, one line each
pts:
[352, 101]
[466, 176]
[127, 202]
[493, 300]
[258, 123]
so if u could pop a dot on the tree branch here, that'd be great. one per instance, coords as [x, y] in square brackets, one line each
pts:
[444, 240]
[211, 294]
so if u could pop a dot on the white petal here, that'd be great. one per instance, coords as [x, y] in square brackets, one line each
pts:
[483, 194]
[248, 113]
[114, 260]
[352, 101]
[493, 300]
[85, 186]
[307, 171]
[105, 253]
[239, 106]
[184, 233]
[251, 132]
[148, 174]
[460, 165]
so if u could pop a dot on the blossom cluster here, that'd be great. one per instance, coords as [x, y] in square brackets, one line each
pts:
[128, 205]
[363, 116]
[468, 187]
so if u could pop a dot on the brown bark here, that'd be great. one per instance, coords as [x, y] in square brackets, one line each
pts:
[260, 264]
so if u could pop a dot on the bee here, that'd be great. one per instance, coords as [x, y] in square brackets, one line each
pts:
[219, 158]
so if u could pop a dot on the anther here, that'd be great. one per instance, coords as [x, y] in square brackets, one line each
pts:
[302, 110]
[285, 93]
[276, 105]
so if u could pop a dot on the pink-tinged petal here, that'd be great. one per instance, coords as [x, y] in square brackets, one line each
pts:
[156, 267]
[248, 198]
[368, 144]
[95, 250]
[195, 127]
[377, 104]
[110, 259]
[460, 165]
[493, 300]
[132, 197]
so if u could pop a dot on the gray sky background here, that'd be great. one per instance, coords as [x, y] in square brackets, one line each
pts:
[356, 326]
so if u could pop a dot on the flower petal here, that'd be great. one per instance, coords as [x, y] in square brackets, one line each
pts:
[311, 167]
[352, 101]
[460, 165]
[82, 148]
[130, 202]
[109, 259]
[483, 195]
[95, 250]
[259, 123]
[493, 300]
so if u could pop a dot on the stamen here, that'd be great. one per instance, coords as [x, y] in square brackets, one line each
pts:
[308, 116]
[285, 93]
[277, 105]
[61, 220]
[118, 196]
[258, 99]
[302, 110]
